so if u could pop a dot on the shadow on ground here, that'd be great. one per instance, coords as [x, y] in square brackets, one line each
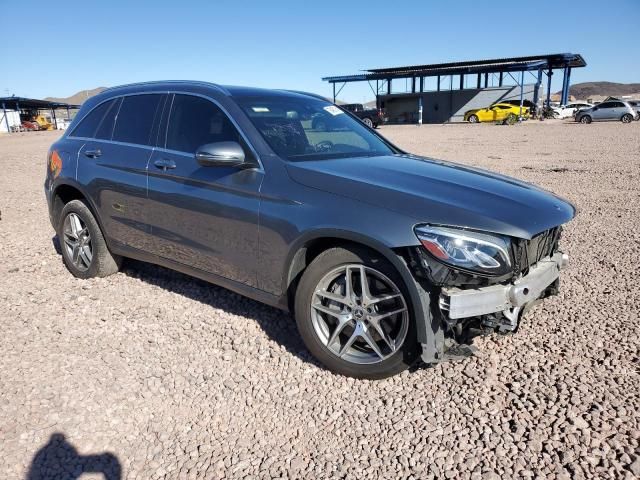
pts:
[277, 324]
[58, 459]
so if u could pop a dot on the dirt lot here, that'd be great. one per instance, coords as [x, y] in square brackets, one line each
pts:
[156, 375]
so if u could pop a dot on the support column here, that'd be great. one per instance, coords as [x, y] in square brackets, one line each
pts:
[461, 81]
[334, 92]
[413, 84]
[438, 83]
[565, 85]
[486, 80]
[536, 91]
[549, 75]
[388, 86]
[479, 81]
[421, 84]
[6, 119]
[500, 79]
[521, 94]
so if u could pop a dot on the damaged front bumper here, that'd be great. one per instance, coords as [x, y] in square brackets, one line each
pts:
[460, 303]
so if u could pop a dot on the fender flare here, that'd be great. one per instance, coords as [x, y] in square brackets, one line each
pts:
[428, 329]
[69, 182]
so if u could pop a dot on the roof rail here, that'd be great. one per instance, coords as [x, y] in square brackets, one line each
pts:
[159, 82]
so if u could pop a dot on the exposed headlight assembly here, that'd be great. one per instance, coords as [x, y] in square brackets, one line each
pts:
[473, 251]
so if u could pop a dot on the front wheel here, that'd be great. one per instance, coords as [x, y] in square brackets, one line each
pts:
[353, 313]
[627, 118]
[585, 119]
[473, 119]
[368, 122]
[84, 249]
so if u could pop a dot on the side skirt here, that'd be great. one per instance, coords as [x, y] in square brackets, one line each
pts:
[237, 287]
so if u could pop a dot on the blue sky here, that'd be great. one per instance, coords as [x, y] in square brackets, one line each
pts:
[58, 48]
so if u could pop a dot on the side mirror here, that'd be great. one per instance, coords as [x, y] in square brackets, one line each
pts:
[221, 154]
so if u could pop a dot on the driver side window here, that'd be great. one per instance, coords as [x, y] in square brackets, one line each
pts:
[196, 121]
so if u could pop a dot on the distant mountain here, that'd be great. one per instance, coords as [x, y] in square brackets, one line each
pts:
[78, 98]
[605, 89]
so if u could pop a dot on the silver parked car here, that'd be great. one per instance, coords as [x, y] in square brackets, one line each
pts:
[609, 110]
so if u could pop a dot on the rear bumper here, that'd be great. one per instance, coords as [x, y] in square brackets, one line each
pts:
[473, 302]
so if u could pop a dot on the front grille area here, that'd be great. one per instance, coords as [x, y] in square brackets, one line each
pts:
[530, 252]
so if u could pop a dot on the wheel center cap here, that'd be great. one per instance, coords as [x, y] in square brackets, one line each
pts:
[358, 313]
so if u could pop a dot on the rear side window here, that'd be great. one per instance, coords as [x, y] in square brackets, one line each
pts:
[89, 124]
[135, 119]
[195, 121]
[105, 129]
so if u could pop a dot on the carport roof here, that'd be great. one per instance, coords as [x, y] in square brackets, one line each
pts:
[510, 64]
[12, 103]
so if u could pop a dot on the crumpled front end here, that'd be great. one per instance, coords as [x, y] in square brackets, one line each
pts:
[469, 304]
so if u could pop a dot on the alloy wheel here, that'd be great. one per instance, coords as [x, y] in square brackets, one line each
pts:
[77, 242]
[359, 314]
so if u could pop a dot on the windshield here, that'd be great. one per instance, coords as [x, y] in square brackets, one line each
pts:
[299, 128]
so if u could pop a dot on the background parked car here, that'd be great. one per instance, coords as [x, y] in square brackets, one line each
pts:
[611, 110]
[30, 126]
[371, 117]
[635, 104]
[569, 110]
[533, 108]
[494, 113]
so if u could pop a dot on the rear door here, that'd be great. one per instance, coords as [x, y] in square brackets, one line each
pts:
[114, 166]
[203, 217]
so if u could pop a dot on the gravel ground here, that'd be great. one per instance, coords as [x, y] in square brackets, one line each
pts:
[156, 375]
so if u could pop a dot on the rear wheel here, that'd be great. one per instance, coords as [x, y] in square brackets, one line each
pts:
[473, 119]
[585, 119]
[84, 249]
[352, 312]
[627, 118]
[368, 122]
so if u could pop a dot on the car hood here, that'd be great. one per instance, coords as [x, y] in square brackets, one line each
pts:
[438, 192]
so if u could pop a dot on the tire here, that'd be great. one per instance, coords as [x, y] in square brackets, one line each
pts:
[473, 119]
[84, 256]
[368, 122]
[585, 119]
[320, 330]
[626, 118]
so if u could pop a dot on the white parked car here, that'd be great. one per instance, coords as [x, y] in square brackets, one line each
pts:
[570, 109]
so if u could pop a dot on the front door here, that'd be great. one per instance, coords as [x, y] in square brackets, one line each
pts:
[205, 217]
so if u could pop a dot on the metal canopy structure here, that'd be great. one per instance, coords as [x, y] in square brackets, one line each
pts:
[20, 103]
[543, 64]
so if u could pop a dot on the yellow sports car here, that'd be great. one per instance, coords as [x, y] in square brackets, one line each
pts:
[495, 113]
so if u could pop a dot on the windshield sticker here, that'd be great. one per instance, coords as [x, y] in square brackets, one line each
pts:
[333, 110]
[260, 109]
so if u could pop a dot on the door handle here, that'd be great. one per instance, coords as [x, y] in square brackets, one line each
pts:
[165, 164]
[93, 153]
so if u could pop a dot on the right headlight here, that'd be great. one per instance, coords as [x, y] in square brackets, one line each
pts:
[474, 251]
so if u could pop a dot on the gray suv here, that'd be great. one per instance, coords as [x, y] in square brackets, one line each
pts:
[609, 110]
[382, 256]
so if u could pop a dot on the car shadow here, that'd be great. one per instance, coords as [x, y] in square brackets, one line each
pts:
[59, 459]
[277, 324]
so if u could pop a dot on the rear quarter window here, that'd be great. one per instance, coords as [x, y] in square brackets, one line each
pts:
[105, 129]
[135, 119]
[89, 124]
